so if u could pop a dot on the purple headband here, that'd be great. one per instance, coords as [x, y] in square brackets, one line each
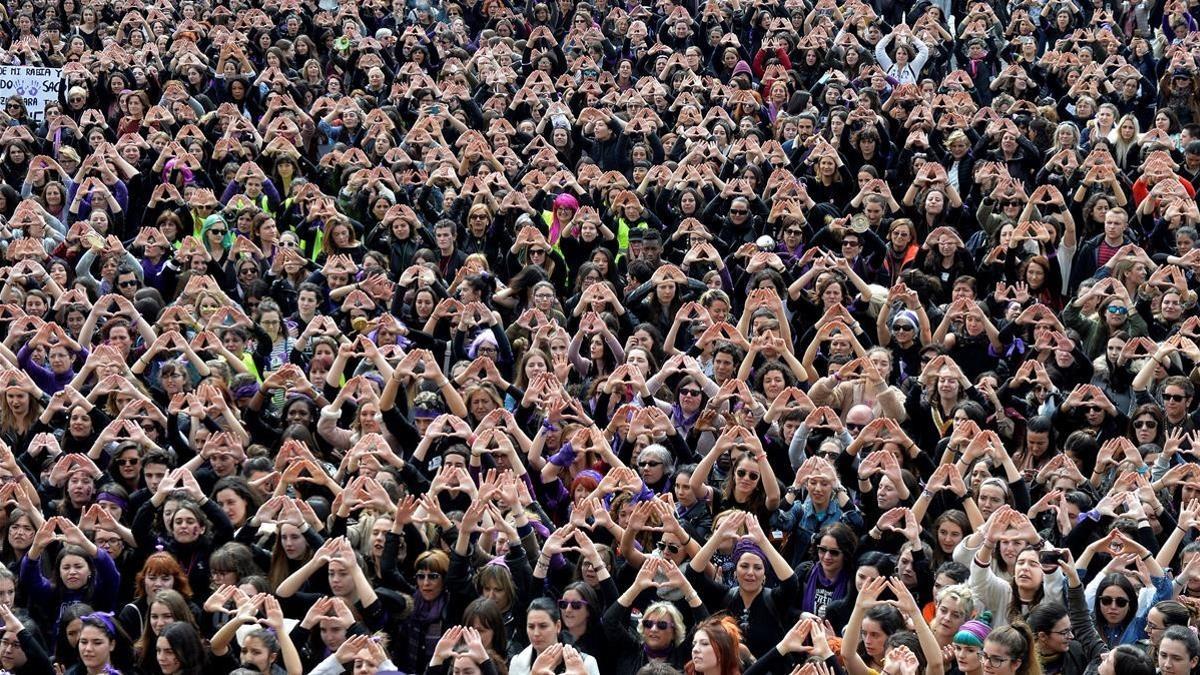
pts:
[498, 561]
[113, 499]
[246, 390]
[425, 413]
[105, 618]
[747, 546]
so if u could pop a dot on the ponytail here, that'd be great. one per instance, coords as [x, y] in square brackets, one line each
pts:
[1017, 639]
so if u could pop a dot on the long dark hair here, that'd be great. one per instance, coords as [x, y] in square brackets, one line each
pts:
[121, 655]
[1115, 579]
[189, 650]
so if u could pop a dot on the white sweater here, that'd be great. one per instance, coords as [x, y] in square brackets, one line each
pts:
[994, 593]
[522, 663]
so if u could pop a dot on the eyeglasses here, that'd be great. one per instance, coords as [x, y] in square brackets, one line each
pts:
[831, 552]
[1067, 633]
[670, 548]
[1145, 424]
[742, 473]
[429, 576]
[996, 661]
[650, 463]
[572, 604]
[689, 392]
[648, 624]
[1108, 601]
[1177, 398]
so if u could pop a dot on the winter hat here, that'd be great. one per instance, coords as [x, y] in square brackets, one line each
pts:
[742, 68]
[975, 631]
[906, 315]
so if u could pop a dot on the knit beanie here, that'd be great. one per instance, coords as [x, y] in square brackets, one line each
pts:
[975, 631]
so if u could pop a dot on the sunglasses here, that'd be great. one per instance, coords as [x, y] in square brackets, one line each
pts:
[128, 462]
[752, 475]
[670, 548]
[738, 211]
[1116, 309]
[1107, 601]
[428, 576]
[853, 426]
[572, 604]
[902, 327]
[794, 232]
[647, 624]
[650, 463]
[689, 392]
[1145, 424]
[1177, 398]
[824, 550]
[217, 231]
[127, 284]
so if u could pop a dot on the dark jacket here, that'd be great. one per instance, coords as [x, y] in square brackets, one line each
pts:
[1086, 646]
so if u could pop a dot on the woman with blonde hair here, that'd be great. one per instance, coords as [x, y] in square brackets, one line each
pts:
[1126, 142]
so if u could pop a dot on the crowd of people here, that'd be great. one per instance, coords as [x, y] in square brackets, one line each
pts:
[459, 337]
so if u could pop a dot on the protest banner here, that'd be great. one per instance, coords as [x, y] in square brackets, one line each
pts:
[34, 84]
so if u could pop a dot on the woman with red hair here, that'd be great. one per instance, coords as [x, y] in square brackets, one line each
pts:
[715, 648]
[160, 572]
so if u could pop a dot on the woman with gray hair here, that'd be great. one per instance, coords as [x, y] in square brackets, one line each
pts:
[656, 466]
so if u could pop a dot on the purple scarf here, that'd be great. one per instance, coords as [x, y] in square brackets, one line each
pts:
[836, 587]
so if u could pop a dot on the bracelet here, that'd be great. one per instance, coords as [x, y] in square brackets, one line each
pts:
[689, 540]
[1146, 557]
